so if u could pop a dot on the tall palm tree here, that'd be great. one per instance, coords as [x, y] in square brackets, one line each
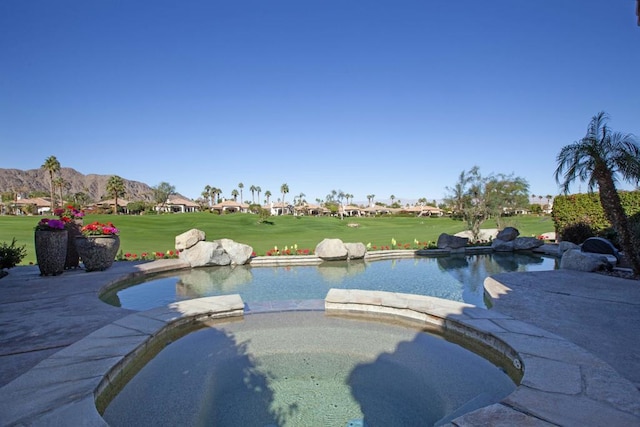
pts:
[234, 194]
[240, 186]
[207, 194]
[215, 193]
[392, 197]
[61, 184]
[52, 165]
[599, 158]
[267, 194]
[115, 188]
[284, 189]
[253, 192]
[258, 190]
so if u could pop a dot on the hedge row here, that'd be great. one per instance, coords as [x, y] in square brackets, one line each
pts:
[578, 216]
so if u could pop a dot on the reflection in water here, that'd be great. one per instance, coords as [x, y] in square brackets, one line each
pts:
[335, 272]
[221, 280]
[457, 277]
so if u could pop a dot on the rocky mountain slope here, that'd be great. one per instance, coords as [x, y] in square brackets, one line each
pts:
[25, 182]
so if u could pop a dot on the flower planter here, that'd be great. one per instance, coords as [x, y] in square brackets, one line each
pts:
[73, 258]
[97, 252]
[51, 251]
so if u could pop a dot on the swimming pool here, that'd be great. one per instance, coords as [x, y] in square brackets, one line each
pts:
[456, 277]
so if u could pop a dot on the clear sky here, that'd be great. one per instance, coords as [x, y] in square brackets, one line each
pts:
[368, 97]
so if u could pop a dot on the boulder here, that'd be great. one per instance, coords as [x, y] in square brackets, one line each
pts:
[575, 259]
[599, 245]
[526, 243]
[331, 250]
[356, 250]
[500, 245]
[205, 253]
[189, 239]
[508, 234]
[447, 241]
[239, 253]
[565, 246]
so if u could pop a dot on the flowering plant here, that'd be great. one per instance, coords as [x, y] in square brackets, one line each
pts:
[50, 224]
[68, 213]
[100, 229]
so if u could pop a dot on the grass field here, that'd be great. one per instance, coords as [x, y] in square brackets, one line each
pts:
[153, 233]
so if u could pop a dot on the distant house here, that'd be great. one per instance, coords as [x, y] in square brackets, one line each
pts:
[420, 210]
[229, 206]
[39, 205]
[279, 208]
[377, 210]
[311, 210]
[110, 203]
[177, 203]
[351, 210]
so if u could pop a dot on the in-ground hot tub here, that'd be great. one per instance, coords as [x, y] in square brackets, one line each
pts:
[307, 368]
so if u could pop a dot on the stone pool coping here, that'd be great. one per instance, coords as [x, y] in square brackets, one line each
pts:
[562, 383]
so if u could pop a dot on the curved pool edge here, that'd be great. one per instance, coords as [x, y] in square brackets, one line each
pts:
[561, 381]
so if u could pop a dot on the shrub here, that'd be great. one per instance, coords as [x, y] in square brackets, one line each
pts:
[11, 255]
[577, 233]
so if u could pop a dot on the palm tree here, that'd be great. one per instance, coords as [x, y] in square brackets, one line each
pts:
[392, 197]
[301, 196]
[215, 194]
[599, 158]
[267, 194]
[206, 194]
[234, 194]
[284, 189]
[240, 186]
[258, 190]
[115, 188]
[253, 192]
[52, 165]
[549, 197]
[61, 184]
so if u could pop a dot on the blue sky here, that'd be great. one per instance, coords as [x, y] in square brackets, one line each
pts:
[367, 97]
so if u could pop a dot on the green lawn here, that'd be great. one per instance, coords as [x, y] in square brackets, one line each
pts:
[153, 233]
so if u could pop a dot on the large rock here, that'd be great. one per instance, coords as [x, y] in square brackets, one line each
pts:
[205, 253]
[575, 259]
[356, 250]
[508, 234]
[500, 245]
[238, 252]
[526, 243]
[565, 246]
[189, 239]
[447, 241]
[332, 250]
[599, 245]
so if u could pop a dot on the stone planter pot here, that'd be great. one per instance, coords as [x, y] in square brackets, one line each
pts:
[73, 258]
[51, 251]
[97, 252]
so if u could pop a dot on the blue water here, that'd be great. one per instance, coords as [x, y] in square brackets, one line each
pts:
[458, 278]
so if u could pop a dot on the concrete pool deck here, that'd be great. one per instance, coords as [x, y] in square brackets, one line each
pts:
[42, 316]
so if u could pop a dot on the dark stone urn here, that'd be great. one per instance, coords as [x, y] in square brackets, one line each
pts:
[51, 251]
[73, 258]
[97, 252]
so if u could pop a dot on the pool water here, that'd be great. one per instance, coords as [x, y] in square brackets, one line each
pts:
[458, 278]
[308, 369]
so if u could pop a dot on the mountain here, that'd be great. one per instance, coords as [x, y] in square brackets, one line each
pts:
[25, 182]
